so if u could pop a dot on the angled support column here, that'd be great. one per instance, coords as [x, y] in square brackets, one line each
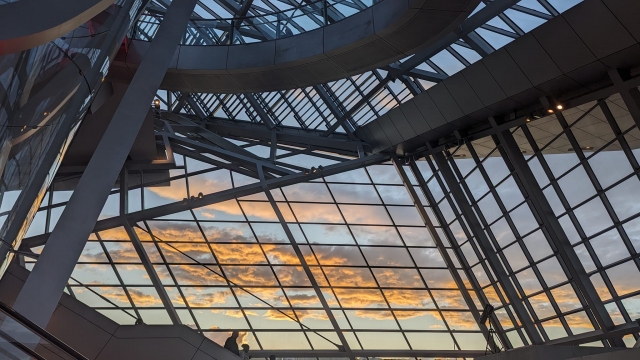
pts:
[333, 107]
[487, 249]
[260, 111]
[556, 233]
[305, 266]
[151, 271]
[341, 120]
[42, 290]
[442, 249]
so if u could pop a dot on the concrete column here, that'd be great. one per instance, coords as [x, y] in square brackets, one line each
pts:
[41, 292]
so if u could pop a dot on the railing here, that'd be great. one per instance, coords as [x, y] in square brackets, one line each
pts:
[20, 338]
[250, 29]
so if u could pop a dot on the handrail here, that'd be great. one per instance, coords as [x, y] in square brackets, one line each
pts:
[40, 331]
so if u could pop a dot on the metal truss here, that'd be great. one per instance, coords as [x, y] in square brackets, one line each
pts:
[343, 105]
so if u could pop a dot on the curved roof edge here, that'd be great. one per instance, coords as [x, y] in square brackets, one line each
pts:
[567, 57]
[384, 33]
[29, 23]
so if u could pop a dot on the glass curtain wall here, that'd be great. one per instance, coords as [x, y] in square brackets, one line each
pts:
[231, 265]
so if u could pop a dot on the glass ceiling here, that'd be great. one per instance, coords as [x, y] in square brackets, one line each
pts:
[401, 255]
[248, 21]
[363, 98]
[389, 280]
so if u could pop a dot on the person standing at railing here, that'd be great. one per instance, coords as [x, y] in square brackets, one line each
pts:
[231, 344]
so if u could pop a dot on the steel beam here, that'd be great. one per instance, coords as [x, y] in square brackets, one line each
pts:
[229, 155]
[597, 335]
[305, 266]
[442, 249]
[262, 114]
[44, 287]
[340, 121]
[551, 223]
[287, 135]
[485, 245]
[225, 195]
[337, 113]
[151, 272]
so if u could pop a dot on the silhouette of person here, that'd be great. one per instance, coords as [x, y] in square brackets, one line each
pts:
[231, 343]
[244, 353]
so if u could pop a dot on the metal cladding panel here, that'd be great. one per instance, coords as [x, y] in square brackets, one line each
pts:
[202, 57]
[623, 59]
[401, 123]
[529, 96]
[255, 55]
[536, 64]
[463, 94]
[387, 13]
[484, 85]
[199, 83]
[367, 56]
[415, 117]
[506, 72]
[379, 136]
[449, 5]
[625, 11]
[590, 74]
[445, 102]
[364, 134]
[563, 45]
[505, 106]
[265, 80]
[316, 72]
[386, 124]
[598, 28]
[428, 23]
[303, 46]
[429, 110]
[172, 80]
[347, 35]
[561, 84]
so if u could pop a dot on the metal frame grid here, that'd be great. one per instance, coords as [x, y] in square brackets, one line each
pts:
[352, 271]
[382, 257]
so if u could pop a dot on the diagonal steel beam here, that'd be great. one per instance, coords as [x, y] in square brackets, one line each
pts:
[262, 114]
[207, 160]
[228, 155]
[442, 249]
[485, 245]
[305, 266]
[333, 107]
[340, 121]
[554, 228]
[209, 135]
[151, 272]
